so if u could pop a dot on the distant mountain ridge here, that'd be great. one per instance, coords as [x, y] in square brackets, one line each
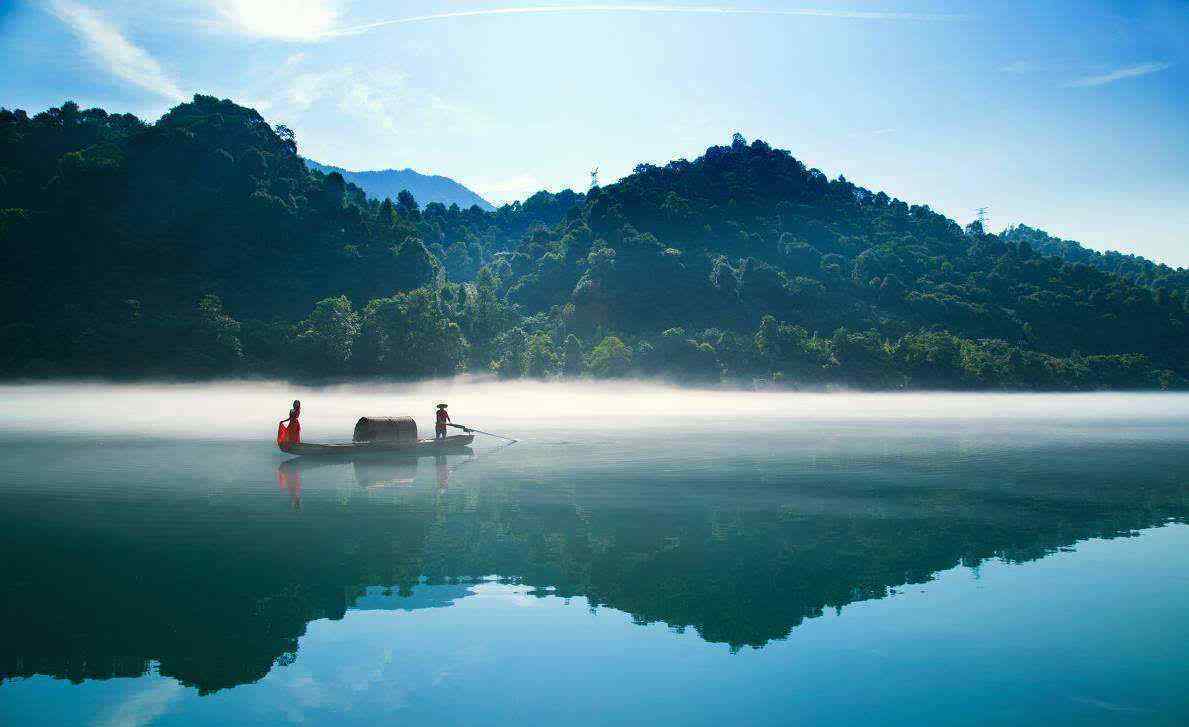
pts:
[425, 188]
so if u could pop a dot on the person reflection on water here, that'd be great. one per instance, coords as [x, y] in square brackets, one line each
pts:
[289, 480]
[440, 426]
[443, 472]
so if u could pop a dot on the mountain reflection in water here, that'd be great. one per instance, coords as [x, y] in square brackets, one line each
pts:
[205, 561]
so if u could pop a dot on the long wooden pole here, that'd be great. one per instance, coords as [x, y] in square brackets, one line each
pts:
[478, 431]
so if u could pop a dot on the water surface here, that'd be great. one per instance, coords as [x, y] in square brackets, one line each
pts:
[642, 555]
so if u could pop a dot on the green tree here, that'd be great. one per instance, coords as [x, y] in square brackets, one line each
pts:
[862, 358]
[610, 358]
[414, 266]
[541, 360]
[483, 319]
[513, 348]
[218, 334]
[573, 360]
[409, 335]
[791, 351]
[323, 342]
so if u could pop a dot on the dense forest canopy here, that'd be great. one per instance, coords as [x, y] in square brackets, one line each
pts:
[202, 245]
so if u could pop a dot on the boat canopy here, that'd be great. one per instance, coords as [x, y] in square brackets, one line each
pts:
[386, 429]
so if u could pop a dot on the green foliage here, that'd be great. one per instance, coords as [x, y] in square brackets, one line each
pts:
[325, 340]
[724, 267]
[573, 359]
[541, 360]
[611, 358]
[414, 267]
[218, 334]
[409, 336]
[483, 318]
[678, 355]
[791, 351]
[513, 347]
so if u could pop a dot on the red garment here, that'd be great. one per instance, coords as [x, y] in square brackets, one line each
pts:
[443, 417]
[287, 436]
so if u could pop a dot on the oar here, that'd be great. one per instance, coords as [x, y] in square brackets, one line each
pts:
[468, 430]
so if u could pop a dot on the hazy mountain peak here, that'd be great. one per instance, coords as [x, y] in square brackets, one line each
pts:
[426, 188]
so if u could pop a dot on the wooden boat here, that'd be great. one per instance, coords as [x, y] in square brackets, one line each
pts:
[455, 444]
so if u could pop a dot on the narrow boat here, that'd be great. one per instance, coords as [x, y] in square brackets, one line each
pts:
[390, 435]
[455, 444]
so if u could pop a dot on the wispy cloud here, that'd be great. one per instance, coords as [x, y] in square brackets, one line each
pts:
[123, 58]
[638, 8]
[145, 706]
[318, 20]
[1119, 74]
[305, 89]
[382, 105]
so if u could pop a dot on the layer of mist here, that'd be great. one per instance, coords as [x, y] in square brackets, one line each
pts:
[251, 410]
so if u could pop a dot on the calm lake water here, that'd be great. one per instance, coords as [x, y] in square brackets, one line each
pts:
[642, 556]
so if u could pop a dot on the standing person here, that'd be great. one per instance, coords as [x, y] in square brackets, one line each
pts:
[440, 426]
[289, 435]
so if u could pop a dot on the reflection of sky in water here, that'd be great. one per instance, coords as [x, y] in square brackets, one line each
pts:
[1090, 636]
[387, 598]
[837, 558]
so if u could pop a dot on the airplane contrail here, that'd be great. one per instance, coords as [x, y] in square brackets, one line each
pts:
[671, 9]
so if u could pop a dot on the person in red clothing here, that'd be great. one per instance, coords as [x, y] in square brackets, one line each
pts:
[440, 427]
[291, 434]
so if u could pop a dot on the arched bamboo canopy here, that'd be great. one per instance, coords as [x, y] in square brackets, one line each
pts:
[386, 429]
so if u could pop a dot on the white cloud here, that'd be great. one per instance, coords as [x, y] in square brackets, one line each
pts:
[145, 706]
[314, 20]
[110, 48]
[382, 106]
[308, 88]
[1141, 69]
[379, 102]
[377, 98]
[280, 19]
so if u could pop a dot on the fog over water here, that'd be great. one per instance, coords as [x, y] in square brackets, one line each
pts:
[251, 409]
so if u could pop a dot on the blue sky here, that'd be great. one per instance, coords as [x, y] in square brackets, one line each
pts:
[1072, 117]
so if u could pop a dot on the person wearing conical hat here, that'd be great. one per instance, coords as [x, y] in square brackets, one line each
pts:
[440, 426]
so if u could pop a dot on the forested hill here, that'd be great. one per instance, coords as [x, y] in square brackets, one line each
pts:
[201, 245]
[1133, 267]
[424, 187]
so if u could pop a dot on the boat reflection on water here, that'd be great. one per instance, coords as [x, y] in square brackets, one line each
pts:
[373, 472]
